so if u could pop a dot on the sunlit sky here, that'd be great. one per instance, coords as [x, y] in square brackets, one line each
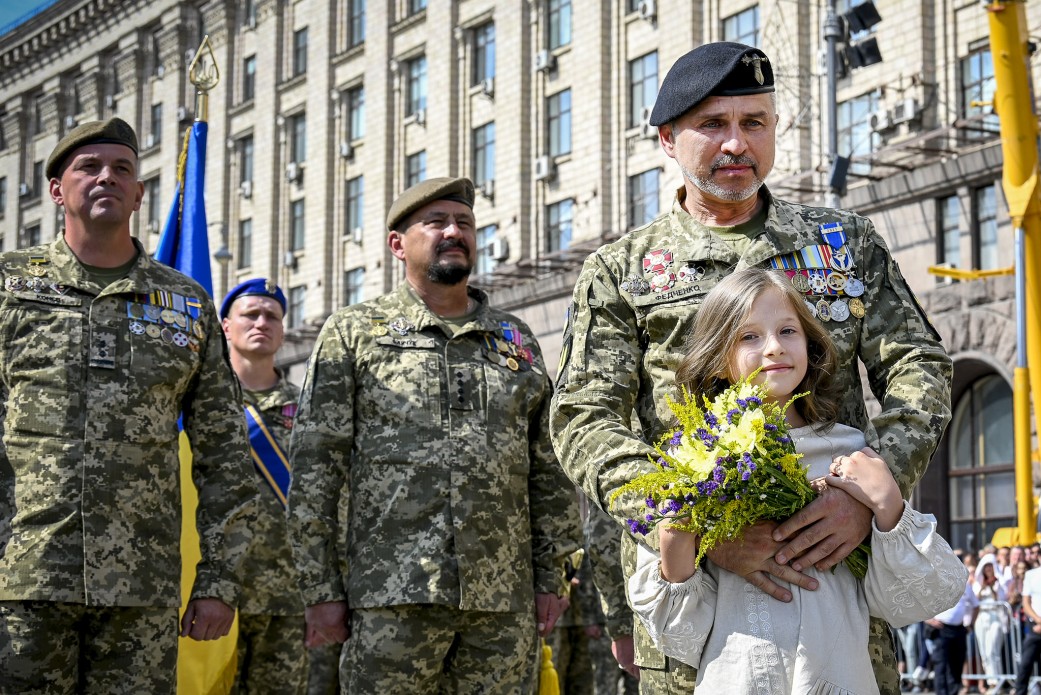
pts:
[11, 10]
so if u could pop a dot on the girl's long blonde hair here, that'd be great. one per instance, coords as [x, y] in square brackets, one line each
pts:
[706, 364]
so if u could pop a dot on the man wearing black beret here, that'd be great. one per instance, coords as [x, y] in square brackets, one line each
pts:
[636, 299]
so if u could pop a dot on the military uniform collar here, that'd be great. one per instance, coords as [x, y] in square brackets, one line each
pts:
[67, 270]
[416, 310]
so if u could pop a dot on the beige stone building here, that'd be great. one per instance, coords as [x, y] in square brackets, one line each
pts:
[327, 109]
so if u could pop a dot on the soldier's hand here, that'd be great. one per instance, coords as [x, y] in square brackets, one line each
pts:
[207, 619]
[625, 654]
[823, 532]
[327, 623]
[752, 557]
[549, 607]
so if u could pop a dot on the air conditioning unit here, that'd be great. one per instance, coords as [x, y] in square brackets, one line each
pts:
[110, 101]
[356, 235]
[647, 9]
[543, 168]
[150, 140]
[499, 249]
[646, 129]
[289, 259]
[421, 117]
[905, 110]
[487, 189]
[293, 172]
[246, 189]
[879, 120]
[544, 60]
[70, 122]
[488, 86]
[24, 189]
[346, 150]
[183, 114]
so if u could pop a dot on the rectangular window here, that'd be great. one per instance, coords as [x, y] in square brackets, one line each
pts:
[356, 23]
[558, 225]
[743, 27]
[559, 23]
[977, 86]
[484, 53]
[38, 180]
[154, 202]
[249, 78]
[949, 236]
[297, 297]
[245, 244]
[986, 223]
[3, 195]
[856, 137]
[643, 87]
[154, 55]
[643, 197]
[355, 206]
[558, 110]
[356, 112]
[296, 225]
[415, 168]
[30, 236]
[485, 261]
[246, 159]
[415, 6]
[299, 52]
[156, 126]
[298, 138]
[484, 154]
[249, 14]
[416, 70]
[353, 286]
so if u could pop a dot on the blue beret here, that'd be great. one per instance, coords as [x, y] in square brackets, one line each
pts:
[258, 287]
[721, 69]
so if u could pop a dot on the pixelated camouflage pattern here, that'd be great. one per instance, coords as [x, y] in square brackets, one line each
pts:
[54, 647]
[572, 660]
[323, 670]
[89, 461]
[456, 497]
[621, 352]
[604, 556]
[270, 581]
[272, 657]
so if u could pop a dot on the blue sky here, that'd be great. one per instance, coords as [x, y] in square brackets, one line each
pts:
[10, 10]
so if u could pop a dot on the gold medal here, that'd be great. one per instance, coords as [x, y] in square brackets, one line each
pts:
[856, 308]
[836, 281]
[36, 271]
[800, 282]
[823, 310]
[378, 330]
[153, 330]
[169, 316]
[512, 364]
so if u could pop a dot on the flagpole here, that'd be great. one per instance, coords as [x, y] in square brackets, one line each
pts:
[204, 75]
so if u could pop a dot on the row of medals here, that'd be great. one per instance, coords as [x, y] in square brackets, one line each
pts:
[35, 282]
[167, 325]
[819, 282]
[505, 354]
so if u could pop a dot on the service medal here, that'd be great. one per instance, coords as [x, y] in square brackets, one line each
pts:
[836, 281]
[36, 271]
[839, 310]
[854, 287]
[198, 330]
[512, 364]
[180, 339]
[691, 273]
[153, 312]
[663, 281]
[402, 326]
[153, 331]
[818, 284]
[636, 286]
[169, 316]
[811, 306]
[842, 262]
[193, 343]
[15, 283]
[36, 284]
[137, 328]
[856, 307]
[378, 330]
[823, 310]
[181, 320]
[135, 310]
[166, 334]
[800, 282]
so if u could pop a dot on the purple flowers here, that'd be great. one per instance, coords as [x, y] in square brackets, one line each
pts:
[677, 438]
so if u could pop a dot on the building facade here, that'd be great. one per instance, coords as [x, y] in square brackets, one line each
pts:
[327, 109]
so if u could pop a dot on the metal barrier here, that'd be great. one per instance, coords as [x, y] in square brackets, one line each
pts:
[992, 655]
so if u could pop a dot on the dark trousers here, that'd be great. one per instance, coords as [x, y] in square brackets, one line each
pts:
[1031, 651]
[949, 659]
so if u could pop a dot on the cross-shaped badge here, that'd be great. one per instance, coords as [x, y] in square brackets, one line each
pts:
[757, 61]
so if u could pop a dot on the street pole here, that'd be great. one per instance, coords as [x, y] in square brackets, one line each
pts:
[832, 34]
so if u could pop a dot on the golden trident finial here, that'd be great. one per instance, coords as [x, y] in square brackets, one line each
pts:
[203, 73]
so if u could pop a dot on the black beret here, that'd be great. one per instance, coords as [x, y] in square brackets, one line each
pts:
[257, 287]
[722, 69]
[114, 130]
[443, 188]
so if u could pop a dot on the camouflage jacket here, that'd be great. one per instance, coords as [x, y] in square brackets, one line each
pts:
[443, 445]
[92, 381]
[633, 306]
[270, 581]
[604, 557]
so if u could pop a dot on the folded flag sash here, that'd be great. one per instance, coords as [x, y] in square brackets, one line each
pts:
[268, 457]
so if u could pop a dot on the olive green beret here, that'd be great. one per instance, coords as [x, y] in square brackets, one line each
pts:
[114, 130]
[444, 188]
[720, 69]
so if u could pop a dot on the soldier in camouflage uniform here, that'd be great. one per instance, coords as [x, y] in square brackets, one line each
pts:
[430, 409]
[635, 301]
[101, 349]
[271, 652]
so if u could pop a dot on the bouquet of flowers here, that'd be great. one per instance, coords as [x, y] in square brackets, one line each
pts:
[729, 464]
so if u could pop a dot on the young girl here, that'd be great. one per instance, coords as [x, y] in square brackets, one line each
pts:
[738, 637]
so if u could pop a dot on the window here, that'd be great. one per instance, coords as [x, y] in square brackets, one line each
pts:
[643, 87]
[152, 198]
[558, 110]
[37, 115]
[485, 262]
[356, 22]
[416, 70]
[415, 168]
[558, 225]
[643, 197]
[30, 236]
[844, 6]
[154, 55]
[977, 85]
[246, 159]
[355, 205]
[3, 195]
[299, 52]
[356, 112]
[249, 14]
[38, 180]
[297, 138]
[245, 244]
[484, 154]
[353, 286]
[156, 127]
[297, 296]
[297, 231]
[484, 53]
[985, 228]
[415, 6]
[559, 23]
[632, 5]
[743, 27]
[856, 138]
[249, 78]
[981, 472]
[949, 233]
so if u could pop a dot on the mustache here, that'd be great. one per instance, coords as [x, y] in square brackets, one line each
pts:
[449, 244]
[730, 160]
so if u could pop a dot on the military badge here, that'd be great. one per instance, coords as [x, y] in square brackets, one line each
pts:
[402, 326]
[167, 335]
[36, 284]
[102, 349]
[288, 415]
[800, 282]
[153, 331]
[663, 281]
[635, 286]
[856, 308]
[14, 283]
[657, 261]
[836, 281]
[854, 287]
[180, 339]
[691, 273]
[818, 284]
[137, 328]
[842, 263]
[839, 310]
[36, 271]
[823, 310]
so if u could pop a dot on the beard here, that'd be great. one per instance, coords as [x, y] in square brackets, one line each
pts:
[449, 273]
[716, 190]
